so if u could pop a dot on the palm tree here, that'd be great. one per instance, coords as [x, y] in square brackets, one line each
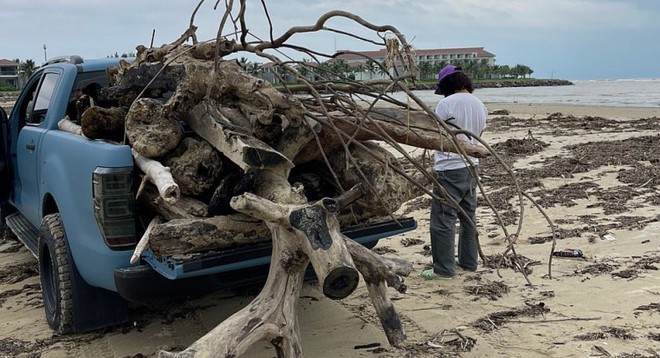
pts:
[518, 70]
[425, 70]
[359, 69]
[282, 73]
[495, 71]
[371, 67]
[340, 68]
[383, 70]
[26, 69]
[505, 71]
[305, 68]
[254, 68]
[323, 71]
[470, 67]
[484, 68]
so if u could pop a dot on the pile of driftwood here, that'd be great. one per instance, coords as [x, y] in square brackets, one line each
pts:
[199, 151]
[230, 160]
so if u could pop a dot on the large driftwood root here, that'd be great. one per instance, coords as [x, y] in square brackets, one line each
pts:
[245, 106]
[195, 166]
[301, 234]
[150, 132]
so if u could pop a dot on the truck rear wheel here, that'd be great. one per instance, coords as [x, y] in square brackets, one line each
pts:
[55, 273]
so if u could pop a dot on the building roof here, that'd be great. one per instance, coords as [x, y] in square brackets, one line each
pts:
[6, 63]
[448, 51]
[440, 51]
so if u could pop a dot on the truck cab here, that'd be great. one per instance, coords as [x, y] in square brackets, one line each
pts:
[70, 201]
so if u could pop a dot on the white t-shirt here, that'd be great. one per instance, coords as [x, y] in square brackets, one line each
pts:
[465, 111]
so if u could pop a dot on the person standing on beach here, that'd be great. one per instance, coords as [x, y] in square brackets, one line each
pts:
[460, 109]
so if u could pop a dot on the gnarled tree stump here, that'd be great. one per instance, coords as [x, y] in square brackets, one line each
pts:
[301, 234]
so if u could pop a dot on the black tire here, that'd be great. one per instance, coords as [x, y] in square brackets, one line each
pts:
[5, 233]
[55, 273]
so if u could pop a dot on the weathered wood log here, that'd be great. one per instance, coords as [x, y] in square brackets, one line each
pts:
[144, 240]
[160, 176]
[150, 132]
[184, 208]
[415, 128]
[397, 265]
[195, 166]
[331, 261]
[234, 142]
[387, 190]
[103, 123]
[377, 276]
[67, 125]
[131, 80]
[182, 237]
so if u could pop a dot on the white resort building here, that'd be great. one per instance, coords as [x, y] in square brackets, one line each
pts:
[430, 58]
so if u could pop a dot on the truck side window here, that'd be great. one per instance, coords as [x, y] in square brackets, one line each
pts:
[41, 103]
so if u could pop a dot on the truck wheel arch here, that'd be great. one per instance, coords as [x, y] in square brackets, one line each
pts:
[55, 274]
[49, 206]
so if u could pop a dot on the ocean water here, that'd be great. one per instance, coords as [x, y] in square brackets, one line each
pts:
[618, 93]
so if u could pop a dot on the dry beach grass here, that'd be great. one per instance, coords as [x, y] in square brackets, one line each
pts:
[594, 170]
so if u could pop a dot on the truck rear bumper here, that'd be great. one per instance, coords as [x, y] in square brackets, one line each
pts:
[143, 284]
[229, 268]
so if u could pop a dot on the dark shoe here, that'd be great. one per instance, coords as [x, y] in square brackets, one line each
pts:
[470, 269]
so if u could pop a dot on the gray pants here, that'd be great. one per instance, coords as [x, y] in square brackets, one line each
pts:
[461, 186]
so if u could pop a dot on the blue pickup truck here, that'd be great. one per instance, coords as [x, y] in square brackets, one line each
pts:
[70, 201]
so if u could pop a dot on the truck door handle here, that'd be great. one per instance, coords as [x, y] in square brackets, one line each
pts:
[30, 146]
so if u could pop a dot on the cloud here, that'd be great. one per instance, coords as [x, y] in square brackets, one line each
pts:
[558, 15]
[538, 33]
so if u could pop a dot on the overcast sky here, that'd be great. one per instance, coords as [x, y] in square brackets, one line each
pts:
[568, 39]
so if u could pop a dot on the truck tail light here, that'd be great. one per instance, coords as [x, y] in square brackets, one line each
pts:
[113, 205]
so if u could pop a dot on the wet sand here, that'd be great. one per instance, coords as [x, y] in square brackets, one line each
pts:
[607, 302]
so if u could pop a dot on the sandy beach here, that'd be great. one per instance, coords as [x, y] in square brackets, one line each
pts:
[592, 170]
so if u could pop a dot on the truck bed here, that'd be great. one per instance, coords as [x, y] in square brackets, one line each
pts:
[231, 267]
